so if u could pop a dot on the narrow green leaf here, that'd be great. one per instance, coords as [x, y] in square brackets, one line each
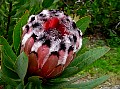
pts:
[55, 82]
[8, 62]
[63, 85]
[28, 85]
[17, 32]
[58, 80]
[90, 84]
[83, 23]
[3, 13]
[36, 82]
[8, 72]
[47, 3]
[68, 72]
[21, 65]
[7, 49]
[89, 57]
[20, 86]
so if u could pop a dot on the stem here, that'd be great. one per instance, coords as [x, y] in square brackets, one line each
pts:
[9, 16]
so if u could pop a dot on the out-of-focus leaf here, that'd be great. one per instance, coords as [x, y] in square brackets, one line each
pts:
[36, 82]
[17, 31]
[89, 57]
[9, 81]
[1, 81]
[8, 49]
[29, 85]
[8, 62]
[1, 2]
[8, 87]
[7, 66]
[2, 13]
[22, 9]
[69, 72]
[47, 3]
[90, 84]
[63, 85]
[58, 80]
[21, 65]
[20, 86]
[8, 72]
[83, 23]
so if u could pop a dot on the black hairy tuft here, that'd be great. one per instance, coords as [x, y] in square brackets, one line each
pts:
[35, 25]
[62, 46]
[34, 53]
[47, 42]
[32, 19]
[34, 36]
[40, 14]
[55, 53]
[70, 49]
[27, 27]
[43, 37]
[74, 25]
[75, 38]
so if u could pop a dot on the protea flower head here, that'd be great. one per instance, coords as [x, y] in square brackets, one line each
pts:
[50, 39]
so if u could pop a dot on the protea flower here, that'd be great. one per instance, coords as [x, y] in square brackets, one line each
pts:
[50, 40]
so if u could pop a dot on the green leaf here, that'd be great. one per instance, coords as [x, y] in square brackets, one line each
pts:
[57, 80]
[20, 86]
[9, 81]
[17, 32]
[8, 72]
[47, 3]
[90, 84]
[28, 86]
[1, 81]
[89, 57]
[7, 49]
[83, 23]
[36, 82]
[8, 87]
[8, 62]
[68, 72]
[63, 85]
[21, 65]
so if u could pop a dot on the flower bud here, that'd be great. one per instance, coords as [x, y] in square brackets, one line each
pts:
[50, 39]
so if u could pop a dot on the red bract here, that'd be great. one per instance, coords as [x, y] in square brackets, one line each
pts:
[51, 23]
[50, 40]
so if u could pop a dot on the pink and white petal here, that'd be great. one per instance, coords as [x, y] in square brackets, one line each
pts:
[49, 65]
[61, 56]
[28, 45]
[43, 53]
[56, 71]
[32, 65]
[69, 58]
